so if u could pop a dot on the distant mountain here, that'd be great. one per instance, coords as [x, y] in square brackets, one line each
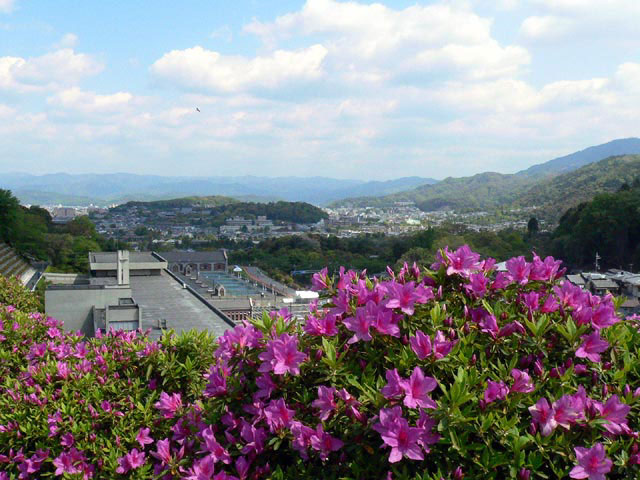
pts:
[489, 190]
[558, 194]
[623, 146]
[121, 187]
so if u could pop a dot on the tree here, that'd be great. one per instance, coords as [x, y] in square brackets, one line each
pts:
[10, 214]
[533, 227]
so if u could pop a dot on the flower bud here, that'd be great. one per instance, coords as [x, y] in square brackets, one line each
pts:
[580, 369]
[458, 474]
[448, 322]
[533, 428]
[627, 390]
[538, 368]
[474, 359]
[524, 474]
[606, 366]
[568, 363]
[466, 329]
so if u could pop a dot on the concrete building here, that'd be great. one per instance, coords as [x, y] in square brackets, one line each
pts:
[128, 291]
[191, 263]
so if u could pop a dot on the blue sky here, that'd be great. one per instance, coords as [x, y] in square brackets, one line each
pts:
[317, 87]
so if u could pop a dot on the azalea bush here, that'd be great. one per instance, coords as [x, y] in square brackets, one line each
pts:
[449, 371]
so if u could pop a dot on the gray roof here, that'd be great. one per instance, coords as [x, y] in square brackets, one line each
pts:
[231, 303]
[163, 298]
[111, 257]
[576, 279]
[604, 283]
[215, 256]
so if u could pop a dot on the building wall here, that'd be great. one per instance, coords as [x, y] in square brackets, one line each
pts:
[73, 306]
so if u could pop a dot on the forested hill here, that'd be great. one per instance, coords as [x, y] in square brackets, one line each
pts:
[208, 201]
[556, 195]
[609, 225]
[490, 190]
[220, 208]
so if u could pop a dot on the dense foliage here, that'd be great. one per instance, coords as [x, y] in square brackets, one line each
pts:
[278, 256]
[30, 231]
[293, 212]
[448, 372]
[608, 225]
[206, 201]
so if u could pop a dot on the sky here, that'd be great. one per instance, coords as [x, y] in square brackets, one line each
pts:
[343, 89]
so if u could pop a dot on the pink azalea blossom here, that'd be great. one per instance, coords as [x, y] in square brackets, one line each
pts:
[143, 437]
[543, 415]
[406, 296]
[131, 461]
[519, 269]
[592, 463]
[416, 390]
[615, 412]
[325, 402]
[324, 443]
[393, 388]
[319, 281]
[495, 391]
[593, 345]
[397, 434]
[522, 382]
[277, 415]
[169, 404]
[568, 410]
[463, 261]
[477, 285]
[604, 316]
[441, 346]
[421, 344]
[282, 356]
[360, 325]
[216, 452]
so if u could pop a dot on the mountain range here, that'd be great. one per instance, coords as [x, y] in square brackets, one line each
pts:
[103, 189]
[556, 184]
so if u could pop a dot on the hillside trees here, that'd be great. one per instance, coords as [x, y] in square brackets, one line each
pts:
[608, 225]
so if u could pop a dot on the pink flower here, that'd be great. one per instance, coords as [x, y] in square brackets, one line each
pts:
[324, 443]
[163, 451]
[322, 325]
[567, 410]
[132, 460]
[143, 437]
[393, 388]
[282, 356]
[301, 437]
[405, 296]
[615, 412]
[320, 280]
[416, 389]
[386, 324]
[592, 347]
[441, 346]
[426, 424]
[604, 316]
[495, 391]
[325, 402]
[360, 325]
[519, 270]
[543, 415]
[531, 300]
[421, 345]
[216, 451]
[592, 463]
[463, 261]
[277, 415]
[522, 382]
[550, 305]
[477, 285]
[169, 404]
[396, 433]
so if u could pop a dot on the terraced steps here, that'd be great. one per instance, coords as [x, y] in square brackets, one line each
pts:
[12, 265]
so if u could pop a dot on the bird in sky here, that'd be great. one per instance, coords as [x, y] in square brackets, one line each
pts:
[197, 109]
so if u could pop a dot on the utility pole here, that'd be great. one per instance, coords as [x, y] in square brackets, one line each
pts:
[598, 257]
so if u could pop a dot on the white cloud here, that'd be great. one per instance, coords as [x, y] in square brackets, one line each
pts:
[372, 37]
[68, 40]
[52, 70]
[6, 6]
[577, 19]
[83, 101]
[200, 69]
